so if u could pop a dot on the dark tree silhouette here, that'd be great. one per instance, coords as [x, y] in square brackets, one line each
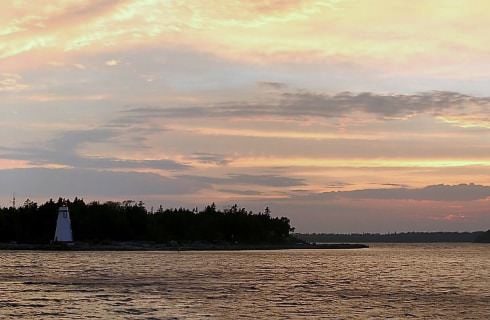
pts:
[484, 237]
[130, 221]
[402, 237]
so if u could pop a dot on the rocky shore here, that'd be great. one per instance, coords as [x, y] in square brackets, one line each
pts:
[173, 246]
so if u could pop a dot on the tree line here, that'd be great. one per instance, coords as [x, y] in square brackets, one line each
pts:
[131, 221]
[484, 237]
[400, 237]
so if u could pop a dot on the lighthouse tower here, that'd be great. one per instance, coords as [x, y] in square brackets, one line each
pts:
[63, 226]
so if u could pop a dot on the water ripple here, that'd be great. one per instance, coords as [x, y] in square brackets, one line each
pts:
[384, 282]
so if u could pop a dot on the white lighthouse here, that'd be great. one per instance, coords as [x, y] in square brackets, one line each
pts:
[63, 226]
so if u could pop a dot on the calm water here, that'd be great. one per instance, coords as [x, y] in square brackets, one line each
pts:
[386, 281]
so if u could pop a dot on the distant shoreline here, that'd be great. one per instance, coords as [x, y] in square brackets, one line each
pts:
[400, 237]
[143, 246]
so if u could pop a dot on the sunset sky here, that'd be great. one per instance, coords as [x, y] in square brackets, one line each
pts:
[346, 116]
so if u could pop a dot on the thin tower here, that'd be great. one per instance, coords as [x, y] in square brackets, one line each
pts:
[63, 226]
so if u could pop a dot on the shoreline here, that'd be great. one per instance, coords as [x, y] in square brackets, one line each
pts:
[143, 246]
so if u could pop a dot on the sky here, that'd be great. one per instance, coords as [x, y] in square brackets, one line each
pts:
[345, 116]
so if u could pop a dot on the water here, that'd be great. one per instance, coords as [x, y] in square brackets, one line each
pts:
[440, 281]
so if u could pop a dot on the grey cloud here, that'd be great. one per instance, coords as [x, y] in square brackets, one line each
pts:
[303, 104]
[212, 158]
[246, 179]
[63, 150]
[441, 192]
[400, 185]
[337, 184]
[80, 182]
[70, 140]
[111, 163]
[266, 180]
[11, 83]
[141, 114]
[242, 192]
[45, 156]
[272, 85]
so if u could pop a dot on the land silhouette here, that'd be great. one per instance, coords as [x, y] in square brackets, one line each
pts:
[131, 221]
[397, 237]
[483, 237]
[128, 225]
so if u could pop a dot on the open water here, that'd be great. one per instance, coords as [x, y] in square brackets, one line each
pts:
[436, 281]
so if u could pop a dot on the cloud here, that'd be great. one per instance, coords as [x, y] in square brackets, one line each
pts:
[10, 82]
[267, 180]
[460, 192]
[381, 34]
[242, 192]
[210, 158]
[272, 85]
[337, 185]
[302, 104]
[81, 182]
[400, 185]
[61, 25]
[63, 150]
[79, 66]
[269, 31]
[450, 217]
[112, 63]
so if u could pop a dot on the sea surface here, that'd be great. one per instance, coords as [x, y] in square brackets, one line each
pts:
[419, 281]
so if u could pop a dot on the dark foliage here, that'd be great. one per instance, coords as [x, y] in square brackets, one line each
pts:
[403, 237]
[484, 237]
[130, 221]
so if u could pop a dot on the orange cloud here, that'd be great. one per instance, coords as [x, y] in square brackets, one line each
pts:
[376, 33]
[356, 163]
[254, 133]
[475, 120]
[13, 164]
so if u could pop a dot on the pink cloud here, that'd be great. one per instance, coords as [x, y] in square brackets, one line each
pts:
[450, 217]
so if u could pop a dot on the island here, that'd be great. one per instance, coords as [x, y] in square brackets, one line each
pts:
[483, 237]
[129, 225]
[396, 237]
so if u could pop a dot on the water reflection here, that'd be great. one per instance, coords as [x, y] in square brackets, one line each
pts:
[397, 281]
